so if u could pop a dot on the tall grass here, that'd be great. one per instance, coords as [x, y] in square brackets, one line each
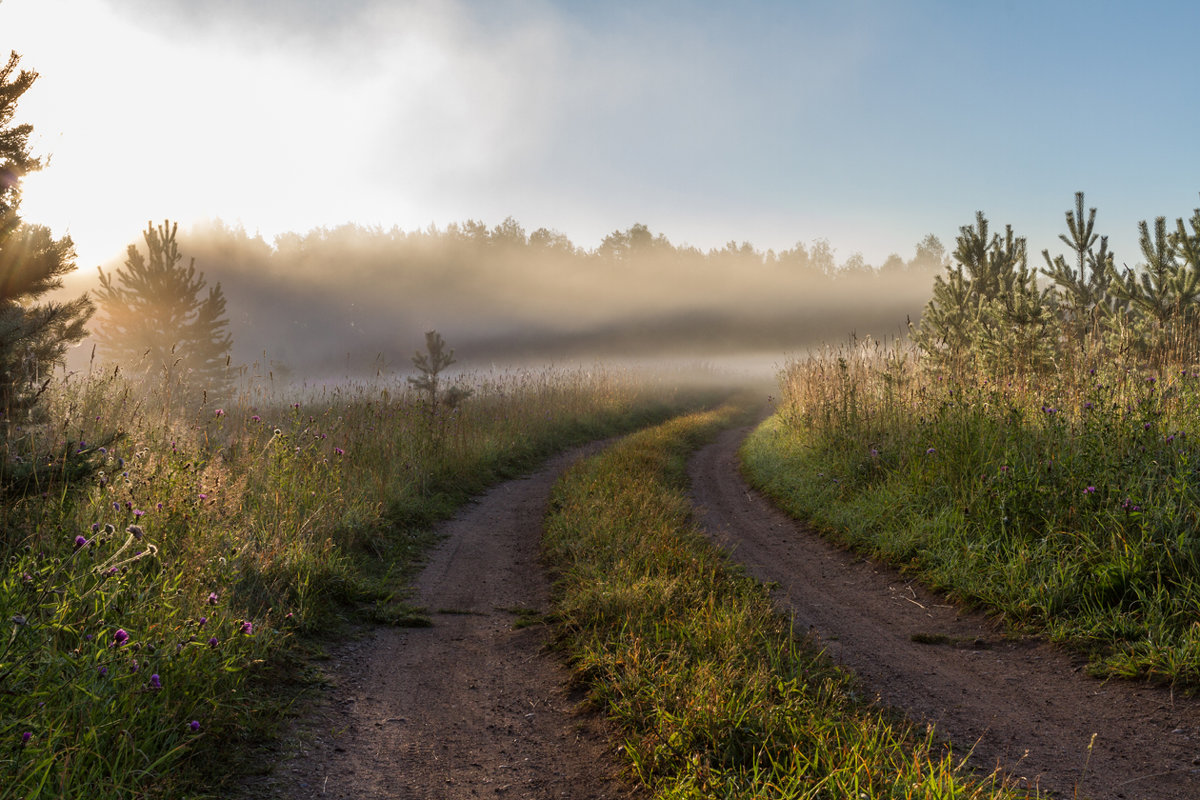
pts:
[146, 606]
[714, 694]
[1068, 502]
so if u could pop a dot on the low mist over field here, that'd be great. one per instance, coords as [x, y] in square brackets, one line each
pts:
[354, 300]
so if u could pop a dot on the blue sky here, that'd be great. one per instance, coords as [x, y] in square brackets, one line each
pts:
[865, 122]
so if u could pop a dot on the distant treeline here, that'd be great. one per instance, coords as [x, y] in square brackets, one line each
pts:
[354, 298]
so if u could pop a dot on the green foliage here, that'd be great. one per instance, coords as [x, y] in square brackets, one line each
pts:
[155, 320]
[1083, 297]
[715, 694]
[988, 308]
[1068, 503]
[987, 311]
[33, 335]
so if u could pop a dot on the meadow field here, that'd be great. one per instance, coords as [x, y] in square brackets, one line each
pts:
[1065, 501]
[173, 564]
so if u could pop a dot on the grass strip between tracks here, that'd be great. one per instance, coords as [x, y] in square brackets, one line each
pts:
[714, 693]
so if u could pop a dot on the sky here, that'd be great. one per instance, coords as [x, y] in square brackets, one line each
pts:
[870, 123]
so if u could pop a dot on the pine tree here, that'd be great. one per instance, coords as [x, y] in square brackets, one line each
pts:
[33, 336]
[155, 320]
[1084, 294]
[988, 308]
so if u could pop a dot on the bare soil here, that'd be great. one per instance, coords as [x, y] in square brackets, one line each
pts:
[475, 706]
[1022, 705]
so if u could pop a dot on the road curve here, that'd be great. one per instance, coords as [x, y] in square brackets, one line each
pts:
[1022, 706]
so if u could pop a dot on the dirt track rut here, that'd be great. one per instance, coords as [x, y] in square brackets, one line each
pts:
[472, 707]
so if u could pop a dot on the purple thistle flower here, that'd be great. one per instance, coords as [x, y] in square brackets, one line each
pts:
[80, 541]
[194, 725]
[212, 642]
[137, 512]
[931, 451]
[135, 531]
[120, 637]
[247, 627]
[158, 506]
[133, 666]
[339, 451]
[203, 621]
[95, 527]
[103, 671]
[155, 682]
[256, 418]
[220, 412]
[26, 736]
[1090, 490]
[203, 496]
[212, 598]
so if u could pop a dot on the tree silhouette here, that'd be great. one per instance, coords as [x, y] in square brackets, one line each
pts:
[154, 317]
[33, 336]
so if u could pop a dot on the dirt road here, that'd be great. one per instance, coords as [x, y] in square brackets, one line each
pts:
[471, 707]
[1023, 706]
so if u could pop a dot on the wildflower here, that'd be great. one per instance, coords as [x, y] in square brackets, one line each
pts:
[194, 725]
[203, 621]
[256, 418]
[137, 512]
[212, 642]
[103, 671]
[212, 598]
[1090, 490]
[135, 531]
[103, 451]
[874, 453]
[158, 506]
[95, 527]
[155, 682]
[1088, 406]
[26, 736]
[1146, 426]
[203, 496]
[133, 665]
[120, 637]
[80, 541]
[1004, 467]
[931, 451]
[339, 451]
[247, 627]
[220, 412]
[116, 506]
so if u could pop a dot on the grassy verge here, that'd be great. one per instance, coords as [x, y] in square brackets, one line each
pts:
[714, 693]
[1069, 504]
[151, 605]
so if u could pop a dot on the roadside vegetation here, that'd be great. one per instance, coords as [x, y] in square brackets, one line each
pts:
[1035, 450]
[153, 601]
[714, 694]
